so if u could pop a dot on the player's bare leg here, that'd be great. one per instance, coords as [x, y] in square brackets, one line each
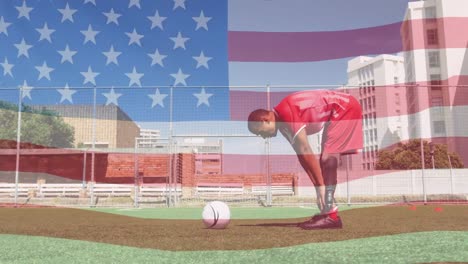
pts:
[328, 217]
[329, 165]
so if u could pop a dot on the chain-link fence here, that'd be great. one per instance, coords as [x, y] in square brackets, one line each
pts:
[172, 146]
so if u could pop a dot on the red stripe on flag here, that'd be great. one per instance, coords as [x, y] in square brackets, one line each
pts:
[153, 168]
[243, 102]
[247, 46]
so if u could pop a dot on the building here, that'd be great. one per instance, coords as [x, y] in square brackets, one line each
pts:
[114, 128]
[149, 138]
[435, 38]
[376, 83]
[208, 155]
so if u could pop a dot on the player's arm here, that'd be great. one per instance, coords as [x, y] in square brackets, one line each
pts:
[311, 165]
[307, 158]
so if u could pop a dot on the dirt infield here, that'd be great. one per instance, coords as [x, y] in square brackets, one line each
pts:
[241, 234]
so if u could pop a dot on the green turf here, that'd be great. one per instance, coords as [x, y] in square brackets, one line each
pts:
[404, 248]
[236, 212]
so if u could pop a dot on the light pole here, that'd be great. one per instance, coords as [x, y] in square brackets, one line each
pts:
[431, 148]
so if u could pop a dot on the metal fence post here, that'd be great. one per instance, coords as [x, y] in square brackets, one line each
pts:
[269, 198]
[422, 170]
[170, 201]
[137, 176]
[18, 142]
[348, 193]
[93, 153]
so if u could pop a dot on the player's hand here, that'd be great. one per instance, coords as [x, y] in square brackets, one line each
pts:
[320, 191]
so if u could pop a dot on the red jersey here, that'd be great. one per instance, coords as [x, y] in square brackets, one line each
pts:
[310, 110]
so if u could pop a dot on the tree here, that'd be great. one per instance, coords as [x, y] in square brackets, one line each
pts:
[407, 156]
[41, 127]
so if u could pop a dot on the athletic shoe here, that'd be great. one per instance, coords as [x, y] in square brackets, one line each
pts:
[323, 222]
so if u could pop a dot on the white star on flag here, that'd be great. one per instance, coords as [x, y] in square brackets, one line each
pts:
[89, 76]
[179, 3]
[158, 98]
[67, 54]
[202, 97]
[134, 3]
[134, 77]
[44, 71]
[112, 97]
[156, 20]
[112, 56]
[26, 90]
[66, 94]
[45, 32]
[201, 21]
[157, 58]
[112, 17]
[4, 26]
[67, 13]
[90, 34]
[180, 77]
[90, 1]
[134, 37]
[179, 41]
[7, 67]
[23, 48]
[202, 60]
[24, 11]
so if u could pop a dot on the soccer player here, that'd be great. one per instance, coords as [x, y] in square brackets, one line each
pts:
[308, 112]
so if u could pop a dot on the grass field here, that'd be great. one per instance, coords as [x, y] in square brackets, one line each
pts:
[19, 244]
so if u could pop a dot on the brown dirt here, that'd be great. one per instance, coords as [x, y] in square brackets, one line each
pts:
[241, 234]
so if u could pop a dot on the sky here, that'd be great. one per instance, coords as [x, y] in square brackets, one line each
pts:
[120, 44]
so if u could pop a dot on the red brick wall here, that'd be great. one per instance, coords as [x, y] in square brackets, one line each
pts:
[120, 168]
[246, 179]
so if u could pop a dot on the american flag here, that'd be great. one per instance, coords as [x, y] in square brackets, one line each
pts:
[145, 46]
[133, 50]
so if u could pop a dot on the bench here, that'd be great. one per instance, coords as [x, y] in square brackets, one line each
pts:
[24, 189]
[60, 190]
[283, 189]
[158, 190]
[111, 190]
[219, 189]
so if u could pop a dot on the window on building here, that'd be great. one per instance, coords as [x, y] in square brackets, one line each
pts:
[436, 82]
[397, 98]
[373, 100]
[432, 37]
[436, 101]
[434, 59]
[430, 12]
[439, 127]
[375, 133]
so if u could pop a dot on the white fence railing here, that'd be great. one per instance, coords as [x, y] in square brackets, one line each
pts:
[439, 183]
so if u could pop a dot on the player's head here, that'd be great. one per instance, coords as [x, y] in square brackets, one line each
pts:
[262, 122]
